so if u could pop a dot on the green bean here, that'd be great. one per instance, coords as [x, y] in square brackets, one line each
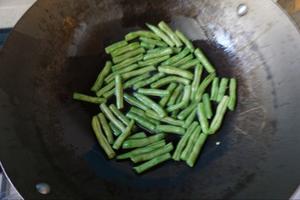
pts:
[196, 81]
[220, 113]
[122, 50]
[196, 150]
[191, 63]
[151, 104]
[165, 28]
[175, 71]
[142, 114]
[232, 94]
[122, 71]
[127, 62]
[128, 55]
[191, 142]
[214, 89]
[162, 52]
[152, 154]
[189, 120]
[137, 111]
[185, 100]
[151, 163]
[157, 49]
[202, 118]
[135, 80]
[114, 129]
[183, 60]
[184, 113]
[106, 88]
[177, 57]
[138, 72]
[106, 128]
[104, 72]
[207, 106]
[176, 50]
[175, 95]
[119, 114]
[142, 121]
[101, 138]
[134, 102]
[152, 114]
[147, 45]
[168, 120]
[166, 98]
[161, 34]
[86, 98]
[153, 92]
[158, 43]
[222, 88]
[202, 87]
[154, 61]
[121, 138]
[138, 135]
[115, 46]
[119, 92]
[186, 41]
[134, 143]
[111, 117]
[148, 81]
[169, 79]
[142, 150]
[142, 33]
[204, 61]
[170, 129]
[183, 141]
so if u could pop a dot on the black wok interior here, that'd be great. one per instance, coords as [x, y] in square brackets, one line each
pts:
[57, 48]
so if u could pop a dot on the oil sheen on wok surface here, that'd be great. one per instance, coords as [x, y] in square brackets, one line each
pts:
[65, 42]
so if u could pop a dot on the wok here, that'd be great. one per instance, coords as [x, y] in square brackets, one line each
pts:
[57, 48]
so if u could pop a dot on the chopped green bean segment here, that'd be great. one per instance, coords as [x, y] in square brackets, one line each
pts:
[176, 71]
[122, 71]
[175, 95]
[184, 101]
[106, 128]
[183, 141]
[232, 94]
[147, 45]
[86, 98]
[127, 62]
[189, 120]
[204, 61]
[183, 60]
[186, 41]
[115, 46]
[122, 50]
[196, 150]
[114, 129]
[191, 63]
[176, 50]
[166, 98]
[137, 79]
[119, 114]
[134, 102]
[142, 33]
[170, 129]
[148, 81]
[143, 115]
[153, 92]
[220, 113]
[128, 55]
[104, 72]
[141, 121]
[138, 135]
[185, 112]
[151, 163]
[204, 84]
[202, 118]
[160, 34]
[169, 79]
[111, 117]
[121, 138]
[222, 88]
[160, 53]
[191, 142]
[214, 89]
[151, 104]
[101, 138]
[134, 143]
[207, 106]
[154, 61]
[106, 88]
[154, 42]
[165, 28]
[177, 57]
[152, 154]
[142, 150]
[138, 72]
[119, 92]
[196, 81]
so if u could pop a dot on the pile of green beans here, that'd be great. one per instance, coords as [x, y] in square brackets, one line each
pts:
[158, 83]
